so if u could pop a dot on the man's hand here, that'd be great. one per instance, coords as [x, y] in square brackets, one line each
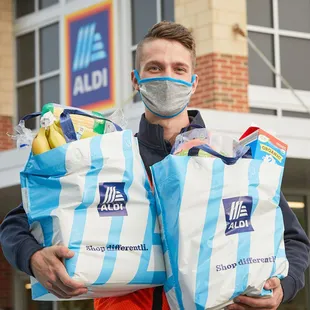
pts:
[49, 270]
[249, 303]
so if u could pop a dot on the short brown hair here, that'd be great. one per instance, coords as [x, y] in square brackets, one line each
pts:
[169, 31]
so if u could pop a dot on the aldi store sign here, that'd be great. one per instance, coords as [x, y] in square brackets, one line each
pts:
[89, 58]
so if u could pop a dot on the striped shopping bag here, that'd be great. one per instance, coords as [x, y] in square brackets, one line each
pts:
[221, 227]
[93, 196]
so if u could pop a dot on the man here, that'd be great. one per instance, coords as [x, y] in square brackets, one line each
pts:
[167, 53]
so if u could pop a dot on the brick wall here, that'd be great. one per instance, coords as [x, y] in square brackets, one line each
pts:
[7, 74]
[223, 82]
[5, 127]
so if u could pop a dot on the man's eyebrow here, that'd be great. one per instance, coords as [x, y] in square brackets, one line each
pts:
[154, 62]
[179, 63]
[160, 64]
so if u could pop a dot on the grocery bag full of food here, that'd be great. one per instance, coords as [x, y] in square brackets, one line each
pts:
[220, 219]
[84, 186]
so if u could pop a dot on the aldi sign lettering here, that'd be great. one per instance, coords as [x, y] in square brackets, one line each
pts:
[89, 58]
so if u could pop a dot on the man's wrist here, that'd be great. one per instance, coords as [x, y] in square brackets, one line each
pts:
[32, 259]
[25, 252]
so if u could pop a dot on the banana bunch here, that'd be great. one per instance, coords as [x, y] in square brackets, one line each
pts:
[47, 139]
[51, 137]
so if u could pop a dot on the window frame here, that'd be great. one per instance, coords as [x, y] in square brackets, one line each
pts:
[38, 77]
[33, 22]
[276, 97]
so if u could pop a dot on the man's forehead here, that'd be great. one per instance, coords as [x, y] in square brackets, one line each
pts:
[165, 50]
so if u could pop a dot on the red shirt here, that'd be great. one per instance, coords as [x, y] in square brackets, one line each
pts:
[139, 300]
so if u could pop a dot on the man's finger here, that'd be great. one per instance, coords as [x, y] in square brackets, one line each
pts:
[63, 252]
[70, 292]
[272, 283]
[58, 293]
[67, 281]
[58, 296]
[236, 307]
[266, 303]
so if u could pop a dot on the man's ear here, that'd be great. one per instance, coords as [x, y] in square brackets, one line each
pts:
[134, 81]
[195, 84]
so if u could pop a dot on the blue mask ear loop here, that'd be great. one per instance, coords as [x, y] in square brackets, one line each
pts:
[194, 76]
[137, 76]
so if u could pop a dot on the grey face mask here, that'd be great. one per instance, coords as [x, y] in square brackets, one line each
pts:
[164, 96]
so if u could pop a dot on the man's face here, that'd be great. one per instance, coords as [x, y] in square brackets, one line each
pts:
[162, 57]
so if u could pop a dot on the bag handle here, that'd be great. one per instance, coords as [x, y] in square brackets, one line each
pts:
[225, 159]
[67, 125]
[66, 122]
[30, 116]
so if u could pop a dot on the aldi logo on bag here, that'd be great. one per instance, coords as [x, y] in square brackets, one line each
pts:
[113, 199]
[238, 214]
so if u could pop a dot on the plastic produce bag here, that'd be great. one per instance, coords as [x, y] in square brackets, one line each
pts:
[23, 137]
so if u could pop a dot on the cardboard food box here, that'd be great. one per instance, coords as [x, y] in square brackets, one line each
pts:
[264, 146]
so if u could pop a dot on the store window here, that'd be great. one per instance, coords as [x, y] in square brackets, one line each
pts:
[281, 30]
[37, 69]
[25, 7]
[259, 73]
[144, 14]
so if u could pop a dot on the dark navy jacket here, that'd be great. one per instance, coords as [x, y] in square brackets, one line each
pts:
[19, 245]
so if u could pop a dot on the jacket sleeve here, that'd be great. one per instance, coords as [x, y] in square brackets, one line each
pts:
[18, 244]
[297, 248]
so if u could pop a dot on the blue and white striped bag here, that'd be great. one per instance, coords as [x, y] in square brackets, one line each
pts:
[222, 229]
[93, 196]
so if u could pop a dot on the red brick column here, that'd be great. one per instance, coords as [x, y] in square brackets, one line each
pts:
[6, 127]
[223, 83]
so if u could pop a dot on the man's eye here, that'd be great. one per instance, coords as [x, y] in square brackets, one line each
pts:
[154, 68]
[180, 69]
